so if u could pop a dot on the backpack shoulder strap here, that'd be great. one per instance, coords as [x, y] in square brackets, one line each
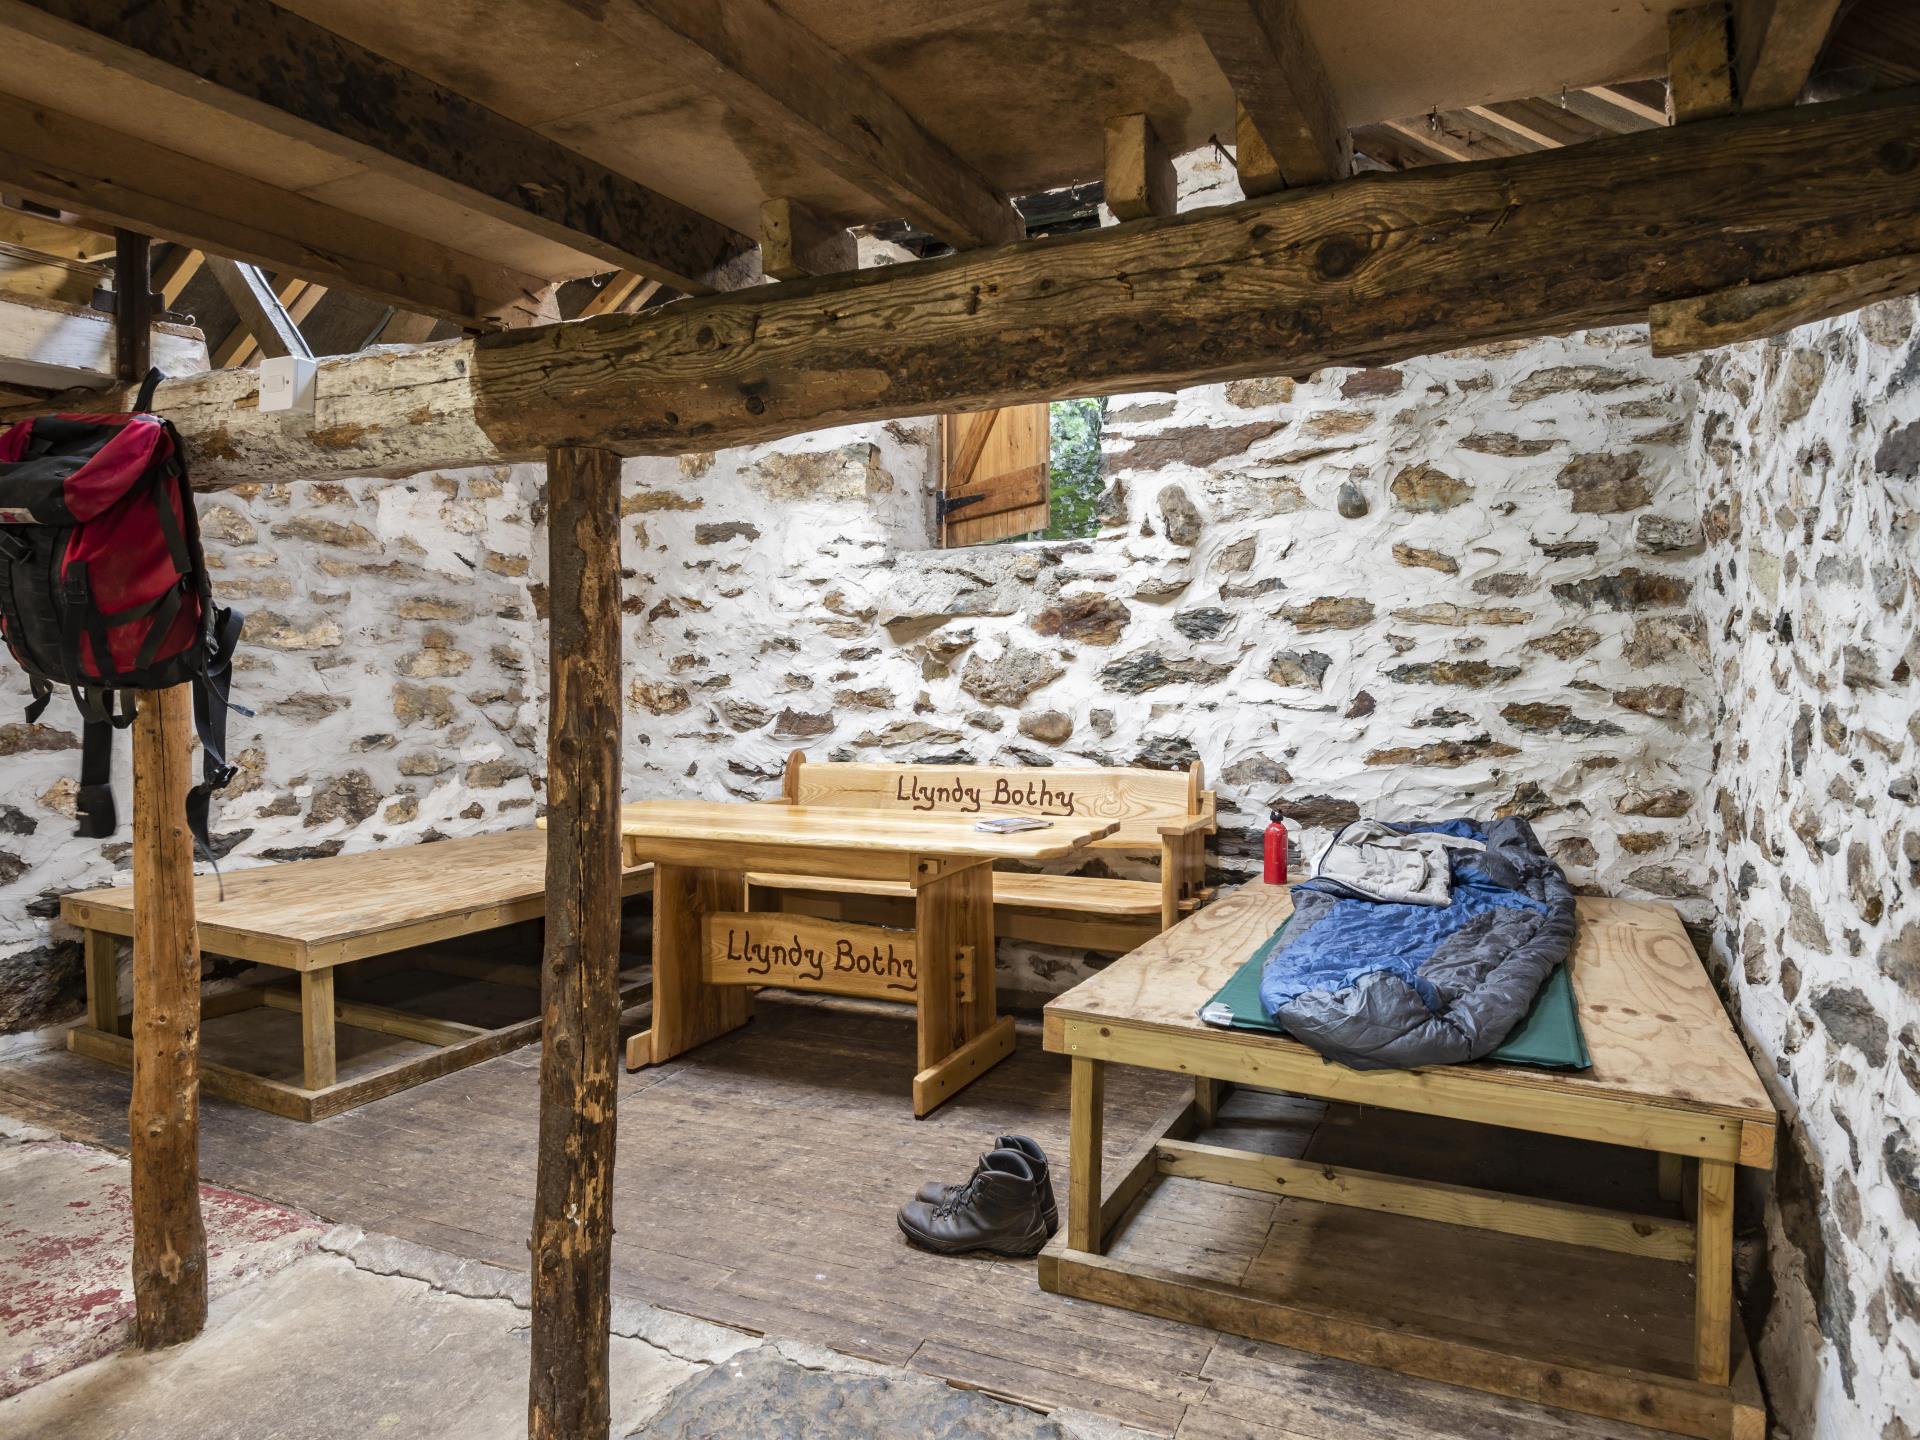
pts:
[95, 809]
[143, 402]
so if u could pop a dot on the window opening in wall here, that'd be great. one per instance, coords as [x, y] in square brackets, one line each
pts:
[1020, 472]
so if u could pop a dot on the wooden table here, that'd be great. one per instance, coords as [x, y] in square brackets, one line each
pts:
[710, 949]
[309, 916]
[1669, 1076]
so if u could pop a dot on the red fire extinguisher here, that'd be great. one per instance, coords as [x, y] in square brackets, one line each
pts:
[1276, 849]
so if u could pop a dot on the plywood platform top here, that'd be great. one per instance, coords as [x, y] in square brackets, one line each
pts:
[307, 913]
[1653, 1023]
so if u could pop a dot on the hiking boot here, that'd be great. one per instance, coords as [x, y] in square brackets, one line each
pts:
[998, 1211]
[937, 1192]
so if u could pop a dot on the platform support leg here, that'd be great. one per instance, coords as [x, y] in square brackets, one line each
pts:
[1087, 1120]
[572, 1240]
[103, 981]
[1672, 1174]
[1713, 1270]
[163, 1120]
[317, 1028]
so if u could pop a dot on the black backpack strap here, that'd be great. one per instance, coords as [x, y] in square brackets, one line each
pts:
[42, 693]
[96, 814]
[210, 707]
[143, 402]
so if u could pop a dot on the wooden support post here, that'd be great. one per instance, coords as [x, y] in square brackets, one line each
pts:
[1672, 1173]
[1086, 1121]
[1713, 1271]
[795, 242]
[580, 970]
[132, 306]
[1139, 172]
[1700, 63]
[163, 1121]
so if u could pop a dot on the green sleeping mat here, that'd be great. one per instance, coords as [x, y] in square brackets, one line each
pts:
[1549, 1037]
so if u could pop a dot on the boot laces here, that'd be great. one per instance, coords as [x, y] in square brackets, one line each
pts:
[956, 1199]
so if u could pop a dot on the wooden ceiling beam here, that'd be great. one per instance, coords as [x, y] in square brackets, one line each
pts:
[1775, 46]
[1605, 108]
[1270, 61]
[1700, 63]
[256, 61]
[119, 181]
[795, 242]
[769, 69]
[262, 310]
[1370, 271]
[1139, 178]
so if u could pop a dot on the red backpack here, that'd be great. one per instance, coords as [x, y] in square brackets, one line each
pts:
[104, 590]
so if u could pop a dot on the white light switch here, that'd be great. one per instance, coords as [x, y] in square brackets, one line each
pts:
[286, 383]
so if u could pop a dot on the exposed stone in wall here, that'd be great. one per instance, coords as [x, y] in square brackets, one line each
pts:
[351, 592]
[1810, 594]
[1489, 634]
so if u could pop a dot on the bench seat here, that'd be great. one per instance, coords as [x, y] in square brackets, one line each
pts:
[1091, 895]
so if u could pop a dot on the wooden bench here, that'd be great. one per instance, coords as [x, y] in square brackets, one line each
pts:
[1159, 812]
[1352, 1270]
[311, 916]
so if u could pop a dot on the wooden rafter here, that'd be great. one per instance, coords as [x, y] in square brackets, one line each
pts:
[176, 272]
[768, 68]
[1700, 63]
[262, 309]
[116, 180]
[1270, 61]
[1775, 45]
[1604, 107]
[269, 66]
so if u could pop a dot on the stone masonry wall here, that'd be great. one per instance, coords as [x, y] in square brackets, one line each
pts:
[1809, 454]
[390, 642]
[1459, 585]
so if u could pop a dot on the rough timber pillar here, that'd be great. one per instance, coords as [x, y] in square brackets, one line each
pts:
[579, 978]
[163, 1120]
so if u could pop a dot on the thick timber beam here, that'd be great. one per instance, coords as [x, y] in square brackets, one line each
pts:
[580, 970]
[1373, 270]
[256, 61]
[1775, 46]
[120, 181]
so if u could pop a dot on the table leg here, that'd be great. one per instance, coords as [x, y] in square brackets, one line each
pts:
[1713, 1270]
[959, 1039]
[1087, 1122]
[103, 981]
[316, 1028]
[687, 1011]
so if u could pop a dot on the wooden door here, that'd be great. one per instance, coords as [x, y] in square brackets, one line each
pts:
[994, 474]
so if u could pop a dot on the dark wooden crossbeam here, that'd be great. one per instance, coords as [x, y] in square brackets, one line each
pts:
[253, 60]
[1375, 269]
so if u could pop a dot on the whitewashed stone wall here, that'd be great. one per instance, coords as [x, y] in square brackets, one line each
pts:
[1461, 585]
[390, 643]
[1809, 453]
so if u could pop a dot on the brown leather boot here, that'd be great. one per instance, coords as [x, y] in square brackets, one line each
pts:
[998, 1211]
[938, 1192]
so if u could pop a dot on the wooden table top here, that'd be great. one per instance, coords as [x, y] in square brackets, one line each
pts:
[1653, 1024]
[831, 827]
[283, 913]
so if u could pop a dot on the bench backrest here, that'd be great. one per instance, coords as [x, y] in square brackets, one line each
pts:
[1141, 800]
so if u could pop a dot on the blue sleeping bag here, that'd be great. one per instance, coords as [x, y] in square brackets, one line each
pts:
[1393, 984]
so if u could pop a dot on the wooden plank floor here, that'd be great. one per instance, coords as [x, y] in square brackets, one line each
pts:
[757, 1184]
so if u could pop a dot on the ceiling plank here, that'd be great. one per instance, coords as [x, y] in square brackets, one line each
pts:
[1602, 108]
[769, 69]
[262, 314]
[251, 59]
[1367, 272]
[172, 276]
[1517, 132]
[1775, 46]
[1623, 99]
[1270, 61]
[119, 181]
[1758, 312]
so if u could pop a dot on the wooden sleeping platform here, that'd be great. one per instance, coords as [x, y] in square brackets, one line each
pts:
[312, 916]
[1621, 1314]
